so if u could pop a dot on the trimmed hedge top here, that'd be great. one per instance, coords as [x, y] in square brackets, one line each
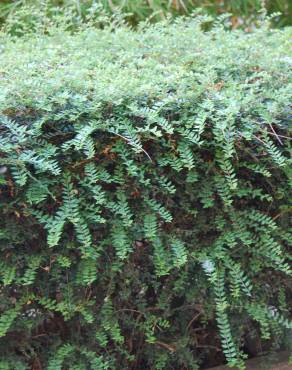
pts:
[174, 62]
[145, 196]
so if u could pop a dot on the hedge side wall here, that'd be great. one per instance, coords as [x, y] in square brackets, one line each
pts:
[145, 196]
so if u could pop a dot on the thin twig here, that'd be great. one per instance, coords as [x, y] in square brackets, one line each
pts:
[208, 346]
[281, 213]
[131, 310]
[261, 141]
[170, 347]
[39, 335]
[129, 141]
[193, 319]
[277, 136]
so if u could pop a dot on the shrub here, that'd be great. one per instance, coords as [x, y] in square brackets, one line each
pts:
[145, 189]
[244, 12]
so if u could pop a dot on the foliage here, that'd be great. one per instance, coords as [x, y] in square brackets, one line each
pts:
[145, 195]
[245, 13]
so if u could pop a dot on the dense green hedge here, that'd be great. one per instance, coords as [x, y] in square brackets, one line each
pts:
[145, 196]
[244, 12]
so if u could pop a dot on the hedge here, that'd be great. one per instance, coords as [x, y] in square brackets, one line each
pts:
[145, 196]
[244, 12]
